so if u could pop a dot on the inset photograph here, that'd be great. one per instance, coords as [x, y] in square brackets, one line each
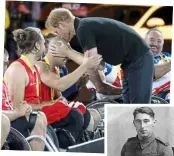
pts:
[139, 130]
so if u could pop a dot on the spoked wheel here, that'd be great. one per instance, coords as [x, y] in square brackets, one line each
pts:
[16, 141]
[99, 106]
[158, 100]
[52, 134]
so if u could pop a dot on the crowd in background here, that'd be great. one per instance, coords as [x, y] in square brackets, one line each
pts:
[21, 14]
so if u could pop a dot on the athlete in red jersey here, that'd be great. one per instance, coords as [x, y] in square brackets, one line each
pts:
[22, 82]
[54, 64]
[61, 113]
[26, 85]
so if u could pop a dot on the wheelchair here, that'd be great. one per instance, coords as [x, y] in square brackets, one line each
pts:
[16, 141]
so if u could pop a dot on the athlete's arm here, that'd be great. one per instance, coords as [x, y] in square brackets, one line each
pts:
[162, 69]
[12, 114]
[54, 81]
[23, 109]
[15, 79]
[37, 107]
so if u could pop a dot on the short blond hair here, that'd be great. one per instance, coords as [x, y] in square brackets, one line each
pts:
[56, 16]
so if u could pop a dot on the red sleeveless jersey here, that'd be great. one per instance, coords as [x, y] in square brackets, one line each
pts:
[58, 110]
[7, 103]
[31, 94]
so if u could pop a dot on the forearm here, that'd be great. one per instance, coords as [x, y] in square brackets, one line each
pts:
[75, 56]
[12, 114]
[102, 87]
[67, 81]
[36, 107]
[162, 69]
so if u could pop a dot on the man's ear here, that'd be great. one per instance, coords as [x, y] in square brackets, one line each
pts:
[37, 45]
[154, 122]
[133, 122]
[61, 26]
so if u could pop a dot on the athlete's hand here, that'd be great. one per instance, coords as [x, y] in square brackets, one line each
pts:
[24, 108]
[63, 99]
[91, 61]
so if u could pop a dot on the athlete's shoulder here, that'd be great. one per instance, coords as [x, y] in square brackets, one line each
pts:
[42, 66]
[15, 66]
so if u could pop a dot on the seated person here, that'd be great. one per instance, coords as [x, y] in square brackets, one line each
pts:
[5, 128]
[26, 85]
[72, 91]
[162, 63]
[68, 111]
[19, 86]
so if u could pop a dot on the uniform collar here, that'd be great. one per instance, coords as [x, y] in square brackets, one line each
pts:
[144, 143]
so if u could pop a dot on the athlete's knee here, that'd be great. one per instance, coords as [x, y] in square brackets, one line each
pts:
[5, 124]
[41, 121]
[78, 119]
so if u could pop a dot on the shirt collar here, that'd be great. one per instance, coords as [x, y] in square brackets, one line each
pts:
[76, 23]
[144, 143]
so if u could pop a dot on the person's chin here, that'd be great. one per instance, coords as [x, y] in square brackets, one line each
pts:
[155, 53]
[144, 134]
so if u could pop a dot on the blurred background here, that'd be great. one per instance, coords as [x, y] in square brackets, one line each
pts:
[21, 14]
[120, 126]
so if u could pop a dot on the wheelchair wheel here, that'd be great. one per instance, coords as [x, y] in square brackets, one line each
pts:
[99, 106]
[53, 136]
[16, 141]
[158, 100]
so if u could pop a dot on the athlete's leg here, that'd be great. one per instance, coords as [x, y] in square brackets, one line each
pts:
[5, 128]
[40, 129]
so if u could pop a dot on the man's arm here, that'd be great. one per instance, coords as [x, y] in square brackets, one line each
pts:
[15, 79]
[12, 114]
[162, 69]
[101, 87]
[95, 76]
[38, 107]
[54, 81]
[75, 56]
[87, 41]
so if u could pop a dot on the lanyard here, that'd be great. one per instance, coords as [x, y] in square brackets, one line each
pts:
[24, 58]
[163, 58]
[57, 71]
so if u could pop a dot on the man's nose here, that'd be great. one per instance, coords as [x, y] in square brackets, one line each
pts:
[154, 43]
[142, 124]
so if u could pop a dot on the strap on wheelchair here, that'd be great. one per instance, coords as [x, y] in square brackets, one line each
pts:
[32, 120]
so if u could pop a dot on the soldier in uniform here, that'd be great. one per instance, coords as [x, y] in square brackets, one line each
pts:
[145, 143]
